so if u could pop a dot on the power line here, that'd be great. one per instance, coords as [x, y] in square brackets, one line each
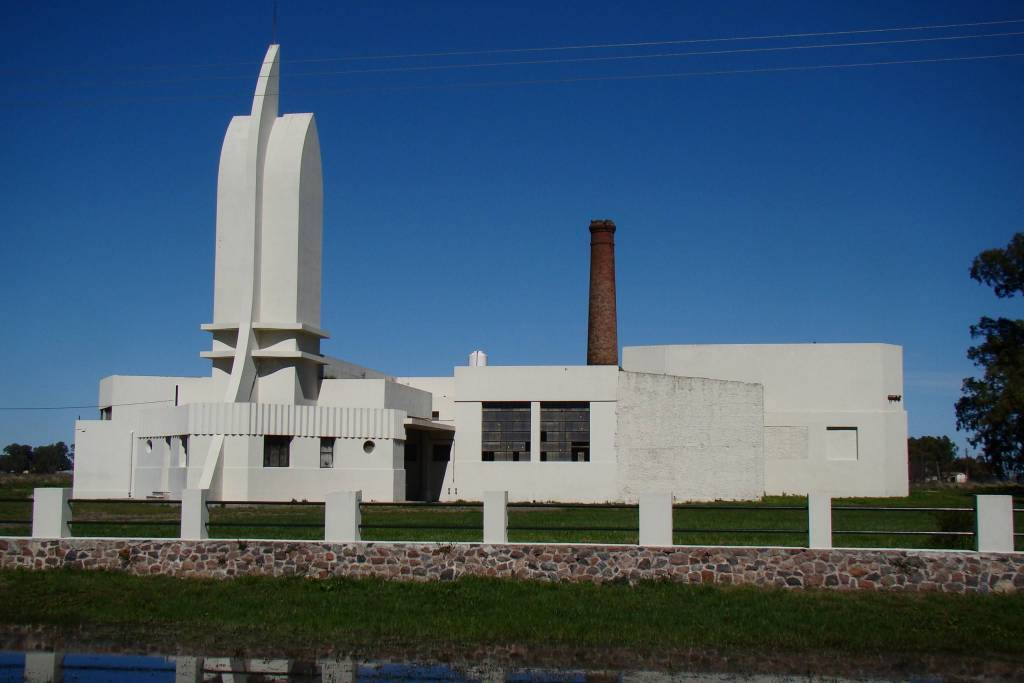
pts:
[113, 405]
[661, 55]
[483, 84]
[557, 48]
[571, 60]
[656, 43]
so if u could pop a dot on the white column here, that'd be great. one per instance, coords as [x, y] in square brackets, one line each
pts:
[51, 513]
[994, 524]
[188, 669]
[342, 516]
[496, 517]
[656, 519]
[194, 514]
[819, 521]
[44, 667]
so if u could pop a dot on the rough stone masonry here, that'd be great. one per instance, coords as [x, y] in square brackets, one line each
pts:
[790, 568]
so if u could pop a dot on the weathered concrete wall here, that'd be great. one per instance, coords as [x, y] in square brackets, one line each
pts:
[699, 439]
[851, 569]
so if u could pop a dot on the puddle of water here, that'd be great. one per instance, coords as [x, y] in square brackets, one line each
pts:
[37, 666]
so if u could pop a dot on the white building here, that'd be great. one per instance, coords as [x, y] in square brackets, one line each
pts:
[277, 420]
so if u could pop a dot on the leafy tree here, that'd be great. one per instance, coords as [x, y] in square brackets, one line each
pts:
[16, 458]
[931, 456]
[990, 406]
[50, 459]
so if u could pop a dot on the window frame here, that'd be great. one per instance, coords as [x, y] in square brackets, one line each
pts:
[272, 450]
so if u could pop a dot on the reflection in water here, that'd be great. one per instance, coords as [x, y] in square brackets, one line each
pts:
[47, 667]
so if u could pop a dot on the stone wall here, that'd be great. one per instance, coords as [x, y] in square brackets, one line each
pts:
[907, 570]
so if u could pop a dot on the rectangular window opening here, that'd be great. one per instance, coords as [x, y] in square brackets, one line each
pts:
[565, 431]
[505, 431]
[277, 451]
[326, 452]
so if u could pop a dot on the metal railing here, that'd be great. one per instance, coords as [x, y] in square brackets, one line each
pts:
[758, 524]
[16, 522]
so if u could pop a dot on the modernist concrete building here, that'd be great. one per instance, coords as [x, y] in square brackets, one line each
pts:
[278, 420]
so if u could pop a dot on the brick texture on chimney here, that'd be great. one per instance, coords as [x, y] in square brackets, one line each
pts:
[602, 328]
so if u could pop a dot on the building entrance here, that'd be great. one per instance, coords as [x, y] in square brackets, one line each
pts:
[427, 456]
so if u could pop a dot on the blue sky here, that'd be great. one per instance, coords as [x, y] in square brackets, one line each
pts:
[825, 205]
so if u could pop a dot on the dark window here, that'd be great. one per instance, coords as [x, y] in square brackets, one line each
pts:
[106, 413]
[276, 451]
[326, 452]
[564, 432]
[184, 450]
[434, 414]
[505, 432]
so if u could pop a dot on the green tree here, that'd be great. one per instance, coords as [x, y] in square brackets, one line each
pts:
[930, 456]
[16, 458]
[50, 459]
[990, 406]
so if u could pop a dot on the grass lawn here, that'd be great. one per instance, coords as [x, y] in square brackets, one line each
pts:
[561, 524]
[299, 613]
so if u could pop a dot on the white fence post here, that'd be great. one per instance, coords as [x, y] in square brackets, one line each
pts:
[496, 517]
[194, 514]
[656, 519]
[342, 516]
[51, 513]
[993, 531]
[819, 521]
[44, 667]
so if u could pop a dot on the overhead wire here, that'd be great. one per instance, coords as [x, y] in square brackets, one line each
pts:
[69, 408]
[522, 82]
[584, 46]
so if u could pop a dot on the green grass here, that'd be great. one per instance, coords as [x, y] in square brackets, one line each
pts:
[479, 612]
[561, 523]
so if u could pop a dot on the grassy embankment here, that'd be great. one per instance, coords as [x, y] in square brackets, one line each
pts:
[296, 614]
[559, 518]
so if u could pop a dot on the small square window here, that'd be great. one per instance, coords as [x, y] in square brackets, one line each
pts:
[326, 452]
[277, 451]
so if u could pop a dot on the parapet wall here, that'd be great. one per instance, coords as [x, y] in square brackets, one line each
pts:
[794, 568]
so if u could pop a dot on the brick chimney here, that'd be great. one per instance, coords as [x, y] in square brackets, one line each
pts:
[602, 329]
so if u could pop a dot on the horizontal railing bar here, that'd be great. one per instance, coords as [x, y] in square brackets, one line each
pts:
[263, 502]
[903, 533]
[687, 506]
[15, 500]
[899, 509]
[592, 506]
[739, 531]
[422, 504]
[133, 501]
[15, 521]
[127, 522]
[475, 527]
[263, 524]
[632, 529]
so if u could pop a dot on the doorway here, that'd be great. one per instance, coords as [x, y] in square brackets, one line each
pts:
[427, 456]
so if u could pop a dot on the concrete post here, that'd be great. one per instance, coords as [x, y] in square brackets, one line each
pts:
[339, 670]
[51, 512]
[819, 521]
[188, 669]
[656, 519]
[496, 517]
[993, 524]
[342, 516]
[194, 514]
[44, 667]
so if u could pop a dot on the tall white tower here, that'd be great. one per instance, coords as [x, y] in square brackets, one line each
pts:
[266, 302]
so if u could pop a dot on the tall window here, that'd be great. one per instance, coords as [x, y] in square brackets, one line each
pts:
[326, 452]
[564, 432]
[276, 451]
[505, 432]
[184, 451]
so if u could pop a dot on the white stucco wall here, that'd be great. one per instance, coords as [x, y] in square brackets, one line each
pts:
[595, 481]
[698, 439]
[809, 388]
